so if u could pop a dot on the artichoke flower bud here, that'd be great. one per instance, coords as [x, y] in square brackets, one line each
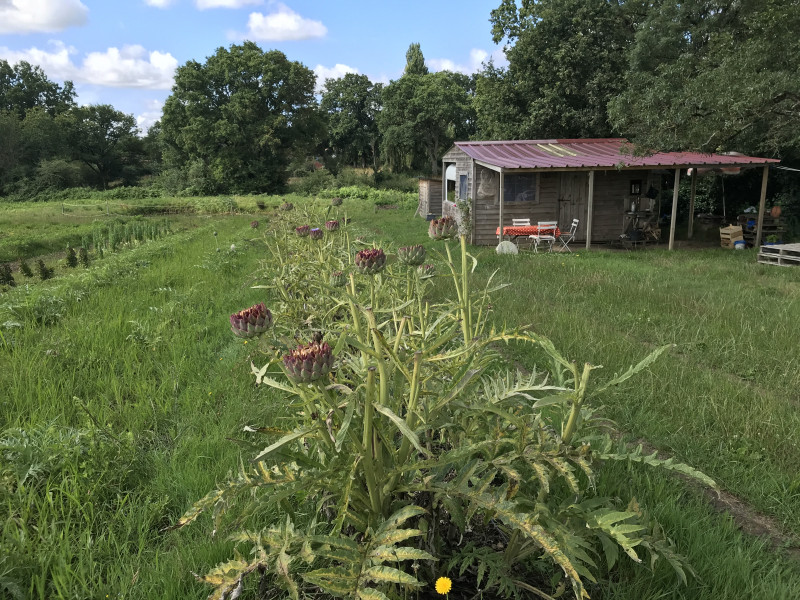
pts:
[338, 279]
[303, 230]
[370, 261]
[332, 225]
[254, 224]
[287, 206]
[443, 229]
[316, 233]
[251, 321]
[426, 270]
[308, 363]
[411, 255]
[336, 201]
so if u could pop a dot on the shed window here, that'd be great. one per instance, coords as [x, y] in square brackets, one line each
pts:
[520, 188]
[462, 187]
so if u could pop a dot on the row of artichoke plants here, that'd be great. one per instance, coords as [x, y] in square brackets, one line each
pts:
[415, 453]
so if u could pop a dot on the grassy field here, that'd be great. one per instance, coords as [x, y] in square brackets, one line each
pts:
[125, 394]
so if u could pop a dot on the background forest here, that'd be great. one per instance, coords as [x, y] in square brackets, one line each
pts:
[701, 75]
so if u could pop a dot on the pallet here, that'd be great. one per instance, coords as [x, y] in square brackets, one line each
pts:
[785, 255]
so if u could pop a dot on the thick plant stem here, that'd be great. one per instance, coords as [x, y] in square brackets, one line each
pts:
[577, 402]
[405, 446]
[467, 313]
[367, 446]
[459, 292]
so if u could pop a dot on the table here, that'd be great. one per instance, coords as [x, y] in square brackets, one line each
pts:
[522, 231]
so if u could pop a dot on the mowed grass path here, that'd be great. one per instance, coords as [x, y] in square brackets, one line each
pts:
[139, 385]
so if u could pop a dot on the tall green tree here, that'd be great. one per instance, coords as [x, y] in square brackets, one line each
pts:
[716, 75]
[25, 86]
[236, 120]
[106, 141]
[415, 61]
[351, 105]
[567, 59]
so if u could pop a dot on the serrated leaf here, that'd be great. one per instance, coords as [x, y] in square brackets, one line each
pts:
[387, 553]
[285, 440]
[334, 580]
[386, 574]
[402, 426]
[371, 594]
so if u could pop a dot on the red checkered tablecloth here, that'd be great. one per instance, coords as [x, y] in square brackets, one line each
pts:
[522, 231]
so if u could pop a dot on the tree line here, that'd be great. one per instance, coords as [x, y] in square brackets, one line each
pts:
[669, 75]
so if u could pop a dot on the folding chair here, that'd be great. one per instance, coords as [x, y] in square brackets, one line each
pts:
[567, 237]
[546, 233]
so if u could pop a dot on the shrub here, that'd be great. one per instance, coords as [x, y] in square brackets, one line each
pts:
[25, 268]
[43, 270]
[72, 259]
[6, 277]
[83, 257]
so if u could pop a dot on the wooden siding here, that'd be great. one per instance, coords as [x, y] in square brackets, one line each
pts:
[430, 197]
[562, 196]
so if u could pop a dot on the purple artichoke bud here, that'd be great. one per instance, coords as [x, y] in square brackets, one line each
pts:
[426, 270]
[287, 206]
[251, 321]
[370, 261]
[303, 230]
[308, 363]
[332, 225]
[338, 279]
[443, 229]
[336, 201]
[411, 255]
[316, 233]
[254, 224]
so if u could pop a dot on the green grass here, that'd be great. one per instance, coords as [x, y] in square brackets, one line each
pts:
[130, 391]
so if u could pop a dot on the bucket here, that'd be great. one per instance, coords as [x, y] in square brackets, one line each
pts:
[739, 244]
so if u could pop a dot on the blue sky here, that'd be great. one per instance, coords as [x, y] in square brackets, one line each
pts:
[124, 52]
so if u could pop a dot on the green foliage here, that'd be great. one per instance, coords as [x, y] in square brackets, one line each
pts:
[420, 434]
[72, 258]
[43, 271]
[6, 276]
[234, 122]
[83, 257]
[707, 79]
[25, 268]
[24, 87]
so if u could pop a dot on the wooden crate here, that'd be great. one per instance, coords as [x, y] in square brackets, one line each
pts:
[729, 235]
[785, 255]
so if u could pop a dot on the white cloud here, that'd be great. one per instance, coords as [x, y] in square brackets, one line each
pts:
[129, 67]
[158, 3]
[152, 114]
[283, 24]
[205, 4]
[476, 59]
[28, 16]
[334, 72]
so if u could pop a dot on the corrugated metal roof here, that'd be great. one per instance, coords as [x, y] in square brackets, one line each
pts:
[608, 153]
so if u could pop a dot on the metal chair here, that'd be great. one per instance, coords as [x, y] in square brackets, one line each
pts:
[567, 237]
[546, 234]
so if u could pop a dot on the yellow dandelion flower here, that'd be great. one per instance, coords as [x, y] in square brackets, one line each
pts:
[443, 585]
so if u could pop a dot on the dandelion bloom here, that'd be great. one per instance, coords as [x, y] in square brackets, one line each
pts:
[443, 586]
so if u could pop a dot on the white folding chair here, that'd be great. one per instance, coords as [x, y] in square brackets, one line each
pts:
[566, 237]
[546, 234]
[519, 223]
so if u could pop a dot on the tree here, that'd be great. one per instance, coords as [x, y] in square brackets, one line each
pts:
[415, 61]
[235, 121]
[105, 140]
[25, 86]
[351, 105]
[714, 76]
[566, 61]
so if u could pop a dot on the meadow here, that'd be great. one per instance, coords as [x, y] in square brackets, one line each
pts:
[125, 394]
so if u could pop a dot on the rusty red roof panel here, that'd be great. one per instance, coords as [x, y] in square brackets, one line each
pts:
[591, 153]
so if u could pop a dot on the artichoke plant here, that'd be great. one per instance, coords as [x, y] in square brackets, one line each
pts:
[411, 255]
[303, 230]
[426, 270]
[336, 201]
[443, 229]
[370, 261]
[338, 279]
[287, 206]
[316, 233]
[332, 225]
[254, 224]
[251, 321]
[309, 362]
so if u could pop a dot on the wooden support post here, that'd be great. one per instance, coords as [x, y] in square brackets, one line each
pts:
[691, 203]
[444, 191]
[674, 216]
[761, 206]
[473, 196]
[502, 200]
[590, 211]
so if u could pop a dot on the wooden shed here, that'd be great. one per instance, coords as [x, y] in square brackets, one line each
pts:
[597, 181]
[430, 197]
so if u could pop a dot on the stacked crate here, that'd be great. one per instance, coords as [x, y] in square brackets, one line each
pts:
[728, 236]
[771, 226]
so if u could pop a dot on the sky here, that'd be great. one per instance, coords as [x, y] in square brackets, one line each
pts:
[125, 52]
